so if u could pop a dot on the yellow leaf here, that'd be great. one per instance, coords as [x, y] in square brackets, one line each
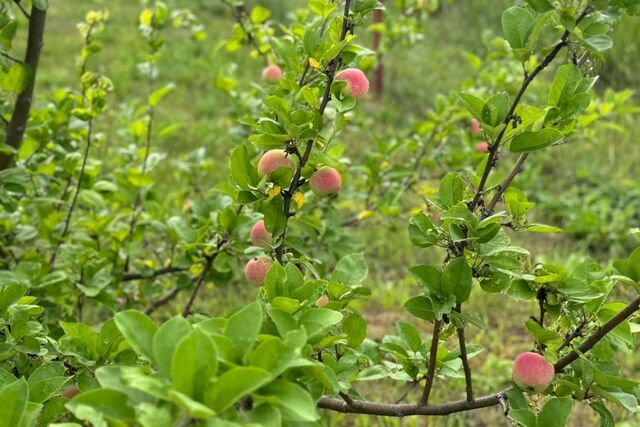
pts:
[274, 191]
[148, 263]
[314, 63]
[365, 214]
[299, 199]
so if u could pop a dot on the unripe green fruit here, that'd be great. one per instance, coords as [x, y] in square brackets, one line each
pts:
[325, 181]
[256, 270]
[357, 83]
[532, 371]
[272, 73]
[272, 160]
[259, 235]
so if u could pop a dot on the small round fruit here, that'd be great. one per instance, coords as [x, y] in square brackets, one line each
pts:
[259, 234]
[272, 160]
[256, 270]
[357, 83]
[325, 181]
[322, 301]
[482, 147]
[271, 73]
[532, 371]
[475, 127]
[70, 393]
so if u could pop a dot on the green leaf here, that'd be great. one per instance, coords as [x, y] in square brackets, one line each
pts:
[242, 171]
[555, 412]
[317, 320]
[194, 363]
[410, 335]
[496, 109]
[17, 78]
[531, 141]
[540, 5]
[41, 4]
[157, 95]
[459, 279]
[429, 277]
[564, 85]
[194, 409]
[542, 335]
[294, 402]
[244, 326]
[606, 418]
[234, 384]
[422, 232]
[356, 329]
[421, 307]
[165, 341]
[351, 270]
[523, 417]
[110, 403]
[138, 329]
[599, 42]
[13, 402]
[259, 14]
[517, 24]
[451, 190]
[474, 104]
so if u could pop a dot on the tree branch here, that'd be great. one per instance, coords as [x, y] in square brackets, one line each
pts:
[208, 262]
[433, 359]
[464, 357]
[22, 107]
[154, 305]
[152, 275]
[495, 147]
[67, 222]
[402, 410]
[502, 187]
[296, 182]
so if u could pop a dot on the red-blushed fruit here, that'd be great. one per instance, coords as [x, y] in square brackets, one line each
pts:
[482, 147]
[71, 393]
[325, 181]
[357, 83]
[271, 73]
[259, 234]
[322, 301]
[272, 160]
[475, 127]
[256, 269]
[532, 371]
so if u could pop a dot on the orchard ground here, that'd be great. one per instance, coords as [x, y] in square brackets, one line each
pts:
[412, 79]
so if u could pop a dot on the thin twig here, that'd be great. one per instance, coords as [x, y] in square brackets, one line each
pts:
[502, 187]
[495, 147]
[465, 358]
[431, 367]
[152, 275]
[154, 305]
[208, 262]
[23, 10]
[67, 221]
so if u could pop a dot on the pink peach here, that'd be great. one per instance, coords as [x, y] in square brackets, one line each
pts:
[325, 181]
[259, 234]
[532, 371]
[322, 301]
[256, 270]
[475, 127]
[272, 160]
[357, 83]
[482, 147]
[272, 73]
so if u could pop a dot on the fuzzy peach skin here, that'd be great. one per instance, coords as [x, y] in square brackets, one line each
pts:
[357, 83]
[272, 160]
[256, 270]
[475, 127]
[532, 371]
[272, 73]
[259, 234]
[482, 147]
[325, 181]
